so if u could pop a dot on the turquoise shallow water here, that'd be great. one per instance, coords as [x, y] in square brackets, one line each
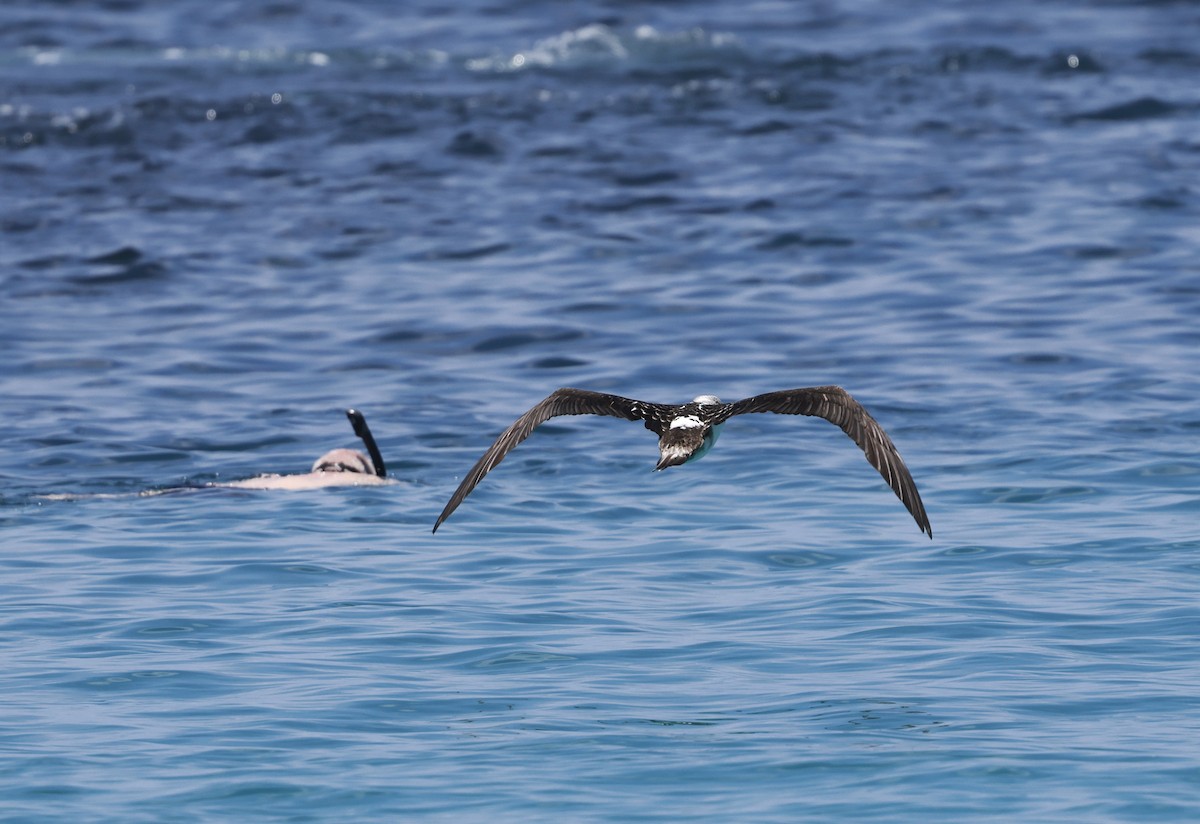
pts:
[221, 228]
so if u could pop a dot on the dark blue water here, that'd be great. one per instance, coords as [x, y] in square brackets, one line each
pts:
[220, 226]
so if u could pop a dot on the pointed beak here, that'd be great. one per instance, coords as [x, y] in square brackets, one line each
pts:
[670, 460]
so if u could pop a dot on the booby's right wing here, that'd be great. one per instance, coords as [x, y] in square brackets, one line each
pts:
[837, 406]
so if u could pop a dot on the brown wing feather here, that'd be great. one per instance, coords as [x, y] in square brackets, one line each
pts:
[837, 406]
[565, 401]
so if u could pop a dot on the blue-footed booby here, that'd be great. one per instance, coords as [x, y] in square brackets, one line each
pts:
[687, 431]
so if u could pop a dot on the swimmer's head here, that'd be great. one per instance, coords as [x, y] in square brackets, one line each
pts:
[344, 460]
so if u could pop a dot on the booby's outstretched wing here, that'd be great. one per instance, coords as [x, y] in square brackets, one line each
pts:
[837, 406]
[564, 401]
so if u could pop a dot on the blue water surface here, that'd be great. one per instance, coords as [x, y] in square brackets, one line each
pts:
[222, 225]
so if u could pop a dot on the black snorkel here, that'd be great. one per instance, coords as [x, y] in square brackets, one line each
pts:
[363, 431]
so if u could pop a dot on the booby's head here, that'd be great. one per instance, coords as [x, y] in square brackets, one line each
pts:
[344, 460]
[689, 436]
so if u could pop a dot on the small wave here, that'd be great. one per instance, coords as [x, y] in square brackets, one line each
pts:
[1141, 109]
[599, 45]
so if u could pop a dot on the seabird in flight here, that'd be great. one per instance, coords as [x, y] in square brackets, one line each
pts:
[687, 431]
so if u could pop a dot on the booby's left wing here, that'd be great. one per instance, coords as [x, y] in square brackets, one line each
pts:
[565, 401]
[837, 406]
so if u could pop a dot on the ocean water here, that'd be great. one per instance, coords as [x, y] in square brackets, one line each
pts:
[221, 226]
